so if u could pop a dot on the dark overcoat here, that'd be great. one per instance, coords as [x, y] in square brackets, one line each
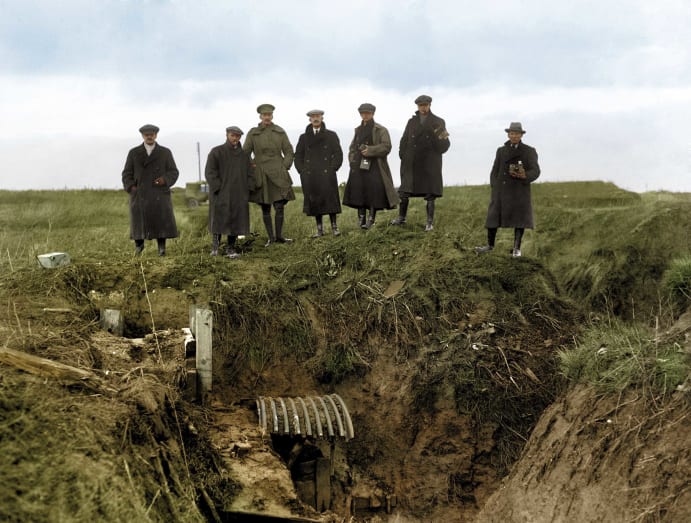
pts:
[230, 179]
[151, 206]
[379, 150]
[420, 151]
[510, 204]
[317, 158]
[272, 154]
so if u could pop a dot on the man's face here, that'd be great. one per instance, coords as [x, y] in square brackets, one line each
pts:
[366, 116]
[515, 137]
[423, 108]
[233, 138]
[149, 138]
[266, 118]
[316, 120]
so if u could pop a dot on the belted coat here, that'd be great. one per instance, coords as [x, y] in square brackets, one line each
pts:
[230, 178]
[151, 206]
[272, 155]
[420, 151]
[317, 158]
[510, 203]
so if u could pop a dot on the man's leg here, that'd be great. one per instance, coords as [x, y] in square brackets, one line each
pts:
[266, 216]
[161, 246]
[230, 250]
[491, 238]
[334, 225]
[430, 214]
[517, 238]
[279, 207]
[215, 242]
[402, 209]
[320, 226]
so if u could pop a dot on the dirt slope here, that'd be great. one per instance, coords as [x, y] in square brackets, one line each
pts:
[594, 458]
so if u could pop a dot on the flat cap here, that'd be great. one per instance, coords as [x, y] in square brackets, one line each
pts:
[515, 127]
[234, 129]
[423, 99]
[366, 108]
[265, 108]
[148, 129]
[314, 111]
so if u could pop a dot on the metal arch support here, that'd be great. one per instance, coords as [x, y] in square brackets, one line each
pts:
[274, 414]
[308, 425]
[317, 419]
[329, 425]
[296, 417]
[339, 422]
[286, 423]
[350, 432]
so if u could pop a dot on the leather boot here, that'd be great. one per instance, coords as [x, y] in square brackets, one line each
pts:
[138, 247]
[402, 212]
[430, 215]
[334, 226]
[370, 221]
[361, 216]
[279, 228]
[161, 246]
[215, 242]
[269, 229]
[320, 227]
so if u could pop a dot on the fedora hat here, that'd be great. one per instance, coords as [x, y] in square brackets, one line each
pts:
[515, 127]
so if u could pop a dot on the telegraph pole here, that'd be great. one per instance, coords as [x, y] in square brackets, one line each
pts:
[199, 162]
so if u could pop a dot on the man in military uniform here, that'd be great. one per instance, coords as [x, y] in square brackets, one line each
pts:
[272, 156]
[515, 168]
[318, 156]
[424, 141]
[229, 176]
[148, 175]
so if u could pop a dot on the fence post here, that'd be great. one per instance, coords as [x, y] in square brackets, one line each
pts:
[204, 326]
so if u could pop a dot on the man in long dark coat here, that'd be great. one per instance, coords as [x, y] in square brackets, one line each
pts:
[272, 155]
[515, 168]
[318, 156]
[370, 185]
[229, 175]
[149, 173]
[423, 142]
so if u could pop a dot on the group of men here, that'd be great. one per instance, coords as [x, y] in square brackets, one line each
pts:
[258, 171]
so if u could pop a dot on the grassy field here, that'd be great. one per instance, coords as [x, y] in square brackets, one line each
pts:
[489, 336]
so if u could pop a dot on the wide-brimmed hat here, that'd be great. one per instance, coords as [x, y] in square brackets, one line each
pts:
[423, 99]
[148, 129]
[366, 108]
[515, 127]
[265, 108]
[314, 112]
[234, 129]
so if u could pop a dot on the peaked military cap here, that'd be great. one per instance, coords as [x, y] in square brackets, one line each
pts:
[234, 129]
[366, 108]
[148, 129]
[423, 99]
[314, 111]
[515, 126]
[265, 108]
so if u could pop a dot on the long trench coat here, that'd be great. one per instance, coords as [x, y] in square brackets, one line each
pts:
[273, 155]
[510, 204]
[420, 151]
[317, 158]
[151, 206]
[230, 179]
[379, 150]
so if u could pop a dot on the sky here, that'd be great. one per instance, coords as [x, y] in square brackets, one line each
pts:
[603, 87]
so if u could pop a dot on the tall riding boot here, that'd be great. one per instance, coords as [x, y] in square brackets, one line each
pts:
[370, 220]
[161, 246]
[266, 217]
[320, 227]
[362, 216]
[215, 242]
[279, 226]
[430, 215]
[334, 225]
[402, 211]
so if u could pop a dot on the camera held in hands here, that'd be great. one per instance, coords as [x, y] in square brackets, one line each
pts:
[364, 162]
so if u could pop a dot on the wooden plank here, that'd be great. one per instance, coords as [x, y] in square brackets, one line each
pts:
[204, 326]
[53, 369]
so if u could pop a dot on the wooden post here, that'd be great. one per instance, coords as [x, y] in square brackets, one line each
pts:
[111, 321]
[204, 326]
[193, 319]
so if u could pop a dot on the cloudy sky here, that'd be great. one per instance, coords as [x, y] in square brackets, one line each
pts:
[603, 87]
